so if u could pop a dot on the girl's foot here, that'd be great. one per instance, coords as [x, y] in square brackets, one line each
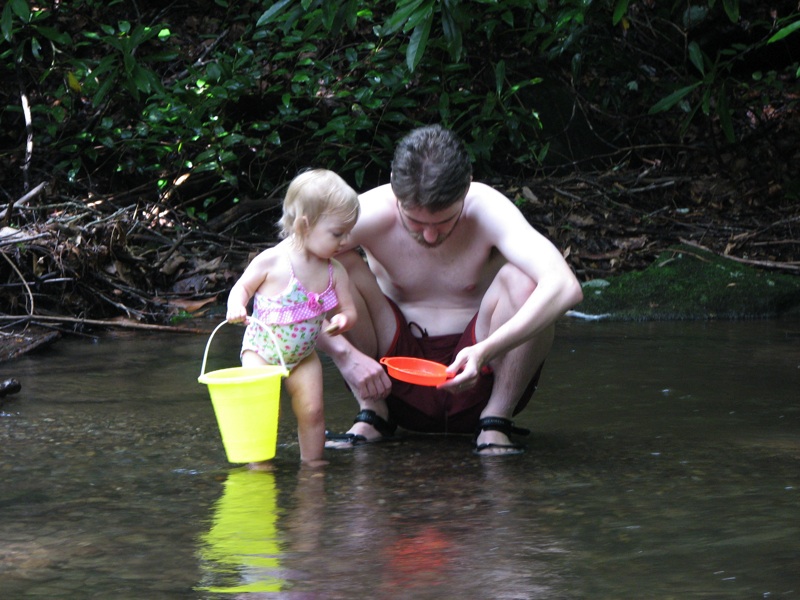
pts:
[264, 465]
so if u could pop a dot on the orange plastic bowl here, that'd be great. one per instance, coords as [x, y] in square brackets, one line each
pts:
[415, 370]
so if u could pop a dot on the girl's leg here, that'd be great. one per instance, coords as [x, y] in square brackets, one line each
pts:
[252, 359]
[304, 385]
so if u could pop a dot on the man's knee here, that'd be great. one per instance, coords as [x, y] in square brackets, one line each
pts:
[510, 289]
[352, 261]
[362, 280]
[516, 285]
[376, 322]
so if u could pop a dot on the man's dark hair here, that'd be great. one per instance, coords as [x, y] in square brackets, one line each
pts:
[431, 169]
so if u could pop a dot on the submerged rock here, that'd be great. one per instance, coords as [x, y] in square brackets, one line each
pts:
[8, 387]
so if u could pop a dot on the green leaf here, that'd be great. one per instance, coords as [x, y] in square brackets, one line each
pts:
[705, 102]
[114, 43]
[108, 62]
[696, 56]
[619, 11]
[405, 8]
[452, 32]
[444, 106]
[782, 33]
[269, 15]
[724, 112]
[21, 9]
[59, 37]
[140, 79]
[164, 56]
[36, 48]
[206, 155]
[423, 13]
[671, 100]
[417, 43]
[731, 9]
[499, 76]
[103, 90]
[6, 22]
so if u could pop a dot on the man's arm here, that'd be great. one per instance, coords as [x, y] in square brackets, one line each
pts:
[557, 289]
[365, 376]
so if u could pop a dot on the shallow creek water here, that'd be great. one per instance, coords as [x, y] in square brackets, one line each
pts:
[664, 463]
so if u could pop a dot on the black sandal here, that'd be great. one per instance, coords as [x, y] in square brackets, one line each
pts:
[381, 425]
[502, 425]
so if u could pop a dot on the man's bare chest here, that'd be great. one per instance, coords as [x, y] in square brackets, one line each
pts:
[416, 273]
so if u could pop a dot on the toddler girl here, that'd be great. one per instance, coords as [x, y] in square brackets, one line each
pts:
[295, 285]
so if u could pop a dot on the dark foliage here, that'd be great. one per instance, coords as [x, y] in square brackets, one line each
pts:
[159, 135]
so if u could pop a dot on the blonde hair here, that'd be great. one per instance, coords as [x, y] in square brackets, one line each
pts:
[311, 195]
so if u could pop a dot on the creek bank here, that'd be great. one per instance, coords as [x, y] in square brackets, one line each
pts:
[683, 283]
[688, 283]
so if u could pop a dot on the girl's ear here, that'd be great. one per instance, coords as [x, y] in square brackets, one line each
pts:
[303, 226]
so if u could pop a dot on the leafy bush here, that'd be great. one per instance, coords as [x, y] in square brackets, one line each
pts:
[197, 108]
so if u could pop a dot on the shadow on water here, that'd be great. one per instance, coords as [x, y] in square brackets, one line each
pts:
[664, 463]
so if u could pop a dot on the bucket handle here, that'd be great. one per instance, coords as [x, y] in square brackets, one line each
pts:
[250, 320]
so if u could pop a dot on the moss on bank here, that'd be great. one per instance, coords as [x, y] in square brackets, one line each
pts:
[685, 283]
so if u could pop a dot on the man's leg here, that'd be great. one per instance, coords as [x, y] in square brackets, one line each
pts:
[513, 371]
[370, 338]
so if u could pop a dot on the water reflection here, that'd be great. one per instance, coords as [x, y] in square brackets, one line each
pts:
[240, 553]
[387, 532]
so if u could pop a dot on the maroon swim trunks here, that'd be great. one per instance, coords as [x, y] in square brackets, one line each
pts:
[428, 409]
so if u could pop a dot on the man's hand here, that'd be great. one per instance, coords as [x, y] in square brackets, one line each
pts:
[365, 376]
[464, 370]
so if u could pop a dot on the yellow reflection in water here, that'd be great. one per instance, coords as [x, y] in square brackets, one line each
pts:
[243, 537]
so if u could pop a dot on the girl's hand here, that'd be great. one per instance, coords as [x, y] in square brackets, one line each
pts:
[338, 324]
[236, 314]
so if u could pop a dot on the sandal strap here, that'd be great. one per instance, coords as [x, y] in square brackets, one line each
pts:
[381, 425]
[499, 424]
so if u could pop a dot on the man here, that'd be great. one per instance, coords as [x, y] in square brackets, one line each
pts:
[453, 273]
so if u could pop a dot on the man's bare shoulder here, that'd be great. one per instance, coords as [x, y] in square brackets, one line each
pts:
[376, 199]
[376, 217]
[493, 209]
[485, 196]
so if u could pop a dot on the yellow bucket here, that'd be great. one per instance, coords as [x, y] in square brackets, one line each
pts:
[246, 402]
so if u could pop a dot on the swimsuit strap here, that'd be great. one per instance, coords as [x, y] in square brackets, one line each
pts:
[300, 285]
[293, 279]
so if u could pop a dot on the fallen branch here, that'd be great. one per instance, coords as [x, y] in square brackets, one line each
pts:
[20, 237]
[5, 215]
[111, 323]
[755, 263]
